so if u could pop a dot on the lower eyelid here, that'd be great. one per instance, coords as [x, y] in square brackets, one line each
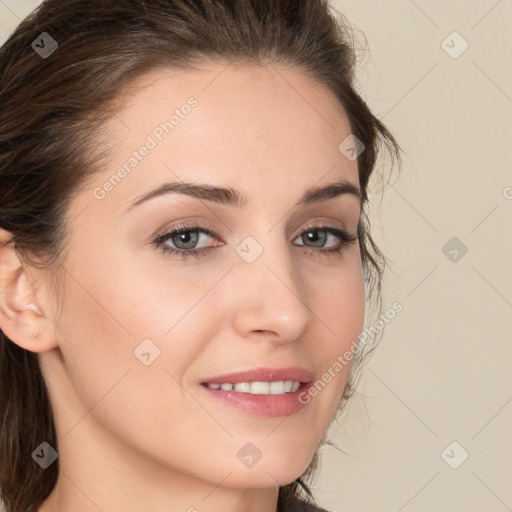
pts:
[338, 233]
[169, 234]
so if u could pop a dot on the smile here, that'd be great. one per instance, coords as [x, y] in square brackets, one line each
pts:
[259, 388]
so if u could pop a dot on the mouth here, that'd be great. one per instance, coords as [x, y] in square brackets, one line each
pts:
[261, 392]
[279, 387]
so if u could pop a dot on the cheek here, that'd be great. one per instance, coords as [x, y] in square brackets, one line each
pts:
[95, 341]
[115, 312]
[338, 299]
[104, 319]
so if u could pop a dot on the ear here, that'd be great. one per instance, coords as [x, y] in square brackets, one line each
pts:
[22, 318]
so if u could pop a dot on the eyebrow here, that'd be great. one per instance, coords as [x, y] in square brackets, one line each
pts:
[232, 197]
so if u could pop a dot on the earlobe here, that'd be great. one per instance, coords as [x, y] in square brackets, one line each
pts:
[21, 318]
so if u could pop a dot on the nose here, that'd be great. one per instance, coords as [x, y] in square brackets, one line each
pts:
[271, 296]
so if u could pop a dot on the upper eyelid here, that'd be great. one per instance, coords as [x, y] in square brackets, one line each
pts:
[210, 231]
[186, 227]
[345, 237]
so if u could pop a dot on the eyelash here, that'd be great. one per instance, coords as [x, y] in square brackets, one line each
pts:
[345, 238]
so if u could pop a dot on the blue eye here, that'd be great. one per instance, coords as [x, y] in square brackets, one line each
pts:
[188, 235]
[344, 238]
[182, 235]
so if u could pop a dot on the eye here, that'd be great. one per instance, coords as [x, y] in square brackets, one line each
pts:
[310, 234]
[186, 236]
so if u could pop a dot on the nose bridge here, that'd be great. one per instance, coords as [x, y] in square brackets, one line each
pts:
[273, 294]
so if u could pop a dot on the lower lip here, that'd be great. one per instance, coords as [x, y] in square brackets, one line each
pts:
[261, 405]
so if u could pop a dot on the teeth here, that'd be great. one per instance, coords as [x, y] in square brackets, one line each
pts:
[260, 388]
[243, 387]
[276, 388]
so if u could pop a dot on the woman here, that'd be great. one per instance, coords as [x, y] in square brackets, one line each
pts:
[184, 252]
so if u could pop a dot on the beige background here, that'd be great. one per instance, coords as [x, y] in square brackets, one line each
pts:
[442, 370]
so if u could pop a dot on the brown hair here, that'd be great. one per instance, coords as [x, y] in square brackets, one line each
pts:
[51, 109]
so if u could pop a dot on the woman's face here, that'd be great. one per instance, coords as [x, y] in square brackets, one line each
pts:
[141, 330]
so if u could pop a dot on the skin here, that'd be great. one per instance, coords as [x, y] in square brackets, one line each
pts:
[135, 437]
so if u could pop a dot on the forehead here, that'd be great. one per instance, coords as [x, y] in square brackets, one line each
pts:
[238, 125]
[248, 102]
[237, 84]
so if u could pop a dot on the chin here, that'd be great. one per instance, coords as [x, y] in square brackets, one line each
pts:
[277, 470]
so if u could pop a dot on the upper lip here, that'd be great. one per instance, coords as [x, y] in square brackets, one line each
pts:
[263, 375]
